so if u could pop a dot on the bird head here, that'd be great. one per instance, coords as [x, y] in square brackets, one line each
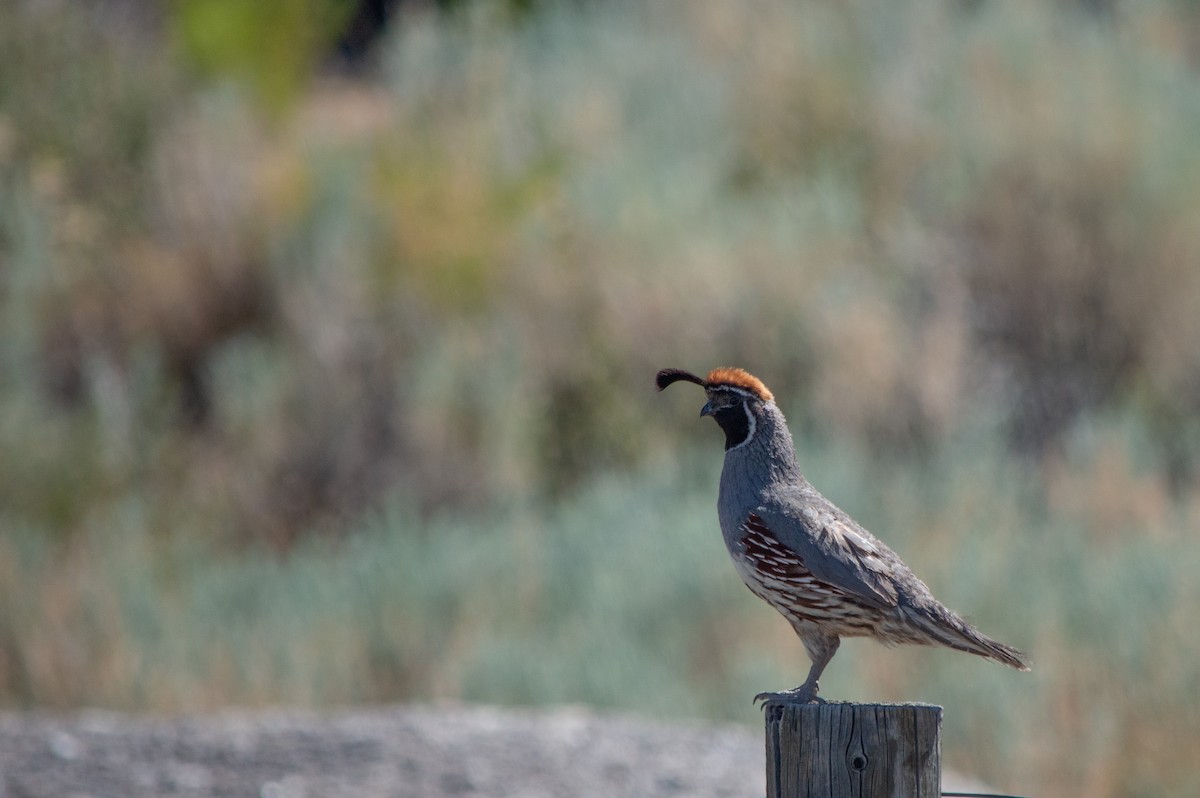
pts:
[733, 397]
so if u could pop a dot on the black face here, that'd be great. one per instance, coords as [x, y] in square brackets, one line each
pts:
[728, 405]
[730, 412]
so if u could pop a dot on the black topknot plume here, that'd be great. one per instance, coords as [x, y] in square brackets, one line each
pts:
[668, 376]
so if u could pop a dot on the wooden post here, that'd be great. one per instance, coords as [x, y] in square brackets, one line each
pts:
[842, 750]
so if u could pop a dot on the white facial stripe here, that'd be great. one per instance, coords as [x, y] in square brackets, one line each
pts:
[737, 390]
[752, 423]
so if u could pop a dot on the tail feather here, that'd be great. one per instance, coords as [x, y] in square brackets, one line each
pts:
[950, 630]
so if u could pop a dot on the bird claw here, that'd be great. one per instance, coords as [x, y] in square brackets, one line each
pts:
[800, 695]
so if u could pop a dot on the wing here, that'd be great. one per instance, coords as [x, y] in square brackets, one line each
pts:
[832, 546]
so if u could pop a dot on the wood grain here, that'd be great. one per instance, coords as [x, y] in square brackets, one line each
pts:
[859, 750]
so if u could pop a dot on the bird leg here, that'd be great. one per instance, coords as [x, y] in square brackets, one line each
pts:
[821, 648]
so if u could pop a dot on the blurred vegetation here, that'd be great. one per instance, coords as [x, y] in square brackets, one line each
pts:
[273, 45]
[321, 389]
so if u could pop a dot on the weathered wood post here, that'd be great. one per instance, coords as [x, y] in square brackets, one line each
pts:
[842, 750]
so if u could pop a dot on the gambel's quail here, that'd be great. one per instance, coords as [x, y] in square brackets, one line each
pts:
[805, 557]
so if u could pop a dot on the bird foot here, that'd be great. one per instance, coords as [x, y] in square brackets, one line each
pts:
[804, 694]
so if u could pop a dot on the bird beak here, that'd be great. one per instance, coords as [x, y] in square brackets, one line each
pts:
[707, 410]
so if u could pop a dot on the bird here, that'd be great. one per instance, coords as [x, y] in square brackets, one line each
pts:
[796, 550]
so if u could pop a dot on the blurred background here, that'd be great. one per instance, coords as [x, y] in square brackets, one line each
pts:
[328, 332]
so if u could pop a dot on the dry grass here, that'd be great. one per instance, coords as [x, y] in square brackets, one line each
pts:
[576, 604]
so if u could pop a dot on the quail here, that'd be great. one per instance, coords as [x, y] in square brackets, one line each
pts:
[800, 553]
